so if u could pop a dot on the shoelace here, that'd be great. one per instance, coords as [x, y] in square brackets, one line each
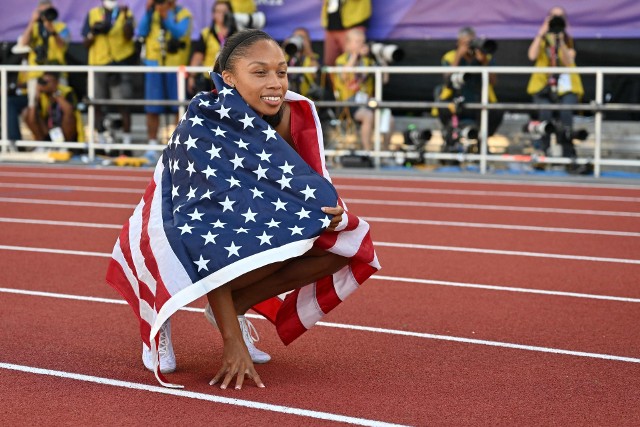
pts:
[249, 331]
[163, 344]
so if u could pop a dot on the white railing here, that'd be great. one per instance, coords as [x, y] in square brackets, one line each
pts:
[597, 106]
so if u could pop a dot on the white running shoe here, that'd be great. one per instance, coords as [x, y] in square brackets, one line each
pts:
[165, 349]
[249, 334]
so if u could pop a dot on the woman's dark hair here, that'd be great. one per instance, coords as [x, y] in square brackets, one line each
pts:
[237, 46]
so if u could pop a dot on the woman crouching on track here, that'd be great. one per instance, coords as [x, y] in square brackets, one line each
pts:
[241, 209]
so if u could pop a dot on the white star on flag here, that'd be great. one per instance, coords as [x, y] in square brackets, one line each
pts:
[196, 120]
[218, 131]
[190, 168]
[233, 249]
[296, 230]
[218, 223]
[241, 144]
[249, 216]
[265, 238]
[264, 156]
[233, 182]
[209, 238]
[257, 193]
[226, 91]
[247, 121]
[215, 152]
[206, 195]
[284, 182]
[191, 142]
[186, 228]
[227, 204]
[192, 193]
[308, 193]
[209, 172]
[204, 103]
[202, 263]
[237, 161]
[196, 215]
[286, 168]
[174, 191]
[279, 205]
[224, 112]
[303, 213]
[273, 223]
[270, 132]
[325, 221]
[261, 172]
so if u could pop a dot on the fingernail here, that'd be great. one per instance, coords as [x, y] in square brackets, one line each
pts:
[223, 386]
[212, 382]
[238, 387]
[261, 385]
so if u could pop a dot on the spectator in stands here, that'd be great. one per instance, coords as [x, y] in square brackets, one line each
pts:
[55, 116]
[48, 39]
[166, 27]
[358, 87]
[108, 34]
[467, 87]
[338, 16]
[299, 53]
[552, 47]
[206, 49]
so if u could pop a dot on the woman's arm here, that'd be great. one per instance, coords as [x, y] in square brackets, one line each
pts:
[534, 48]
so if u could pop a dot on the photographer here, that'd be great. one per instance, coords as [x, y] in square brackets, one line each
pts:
[48, 40]
[552, 47]
[55, 116]
[206, 49]
[298, 53]
[108, 34]
[166, 28]
[358, 87]
[467, 87]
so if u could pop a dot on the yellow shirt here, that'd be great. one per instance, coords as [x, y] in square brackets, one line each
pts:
[67, 92]
[348, 84]
[55, 54]
[352, 12]
[538, 81]
[113, 46]
[153, 47]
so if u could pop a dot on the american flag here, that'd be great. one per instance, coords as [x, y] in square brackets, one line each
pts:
[229, 195]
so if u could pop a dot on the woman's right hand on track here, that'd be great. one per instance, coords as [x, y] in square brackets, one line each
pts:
[236, 362]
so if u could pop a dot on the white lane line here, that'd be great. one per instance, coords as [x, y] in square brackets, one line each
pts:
[68, 188]
[55, 175]
[490, 207]
[488, 193]
[500, 226]
[59, 223]
[380, 244]
[367, 329]
[481, 181]
[198, 396]
[370, 219]
[54, 251]
[502, 252]
[358, 201]
[504, 288]
[67, 203]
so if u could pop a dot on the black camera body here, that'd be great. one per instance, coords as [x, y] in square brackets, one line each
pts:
[557, 25]
[101, 27]
[293, 45]
[50, 14]
[159, 2]
[174, 45]
[486, 46]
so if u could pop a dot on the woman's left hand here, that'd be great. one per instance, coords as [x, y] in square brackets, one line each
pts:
[337, 216]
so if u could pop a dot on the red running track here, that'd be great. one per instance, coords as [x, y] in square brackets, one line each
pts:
[475, 319]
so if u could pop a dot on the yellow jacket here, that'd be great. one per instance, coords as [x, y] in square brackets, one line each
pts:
[352, 12]
[243, 6]
[67, 92]
[153, 47]
[348, 84]
[55, 54]
[113, 46]
[538, 81]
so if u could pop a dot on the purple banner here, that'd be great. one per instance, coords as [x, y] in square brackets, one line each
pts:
[397, 19]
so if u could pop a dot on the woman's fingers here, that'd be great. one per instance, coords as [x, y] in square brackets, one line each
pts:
[337, 216]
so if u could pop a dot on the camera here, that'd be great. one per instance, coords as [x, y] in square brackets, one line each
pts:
[255, 20]
[486, 46]
[159, 2]
[457, 80]
[293, 45]
[49, 14]
[174, 45]
[388, 53]
[42, 54]
[416, 138]
[539, 128]
[557, 24]
[101, 27]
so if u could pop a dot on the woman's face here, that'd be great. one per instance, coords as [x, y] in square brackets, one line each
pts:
[219, 12]
[261, 77]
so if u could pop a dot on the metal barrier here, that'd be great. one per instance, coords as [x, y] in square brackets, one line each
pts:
[597, 106]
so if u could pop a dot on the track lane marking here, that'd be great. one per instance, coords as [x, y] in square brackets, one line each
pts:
[379, 244]
[252, 404]
[381, 189]
[364, 202]
[447, 192]
[370, 219]
[365, 329]
[57, 175]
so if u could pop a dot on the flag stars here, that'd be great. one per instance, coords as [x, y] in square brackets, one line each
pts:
[175, 167]
[280, 205]
[202, 264]
[233, 182]
[257, 193]
[206, 195]
[218, 223]
[273, 223]
[261, 172]
[209, 238]
[203, 103]
[241, 144]
[264, 156]
[233, 249]
[287, 168]
[249, 216]
[284, 182]
[227, 204]
[265, 238]
[209, 172]
[241, 230]
[191, 142]
[308, 193]
[196, 215]
[197, 120]
[325, 221]
[270, 132]
[214, 152]
[226, 91]
[303, 213]
[296, 230]
[224, 112]
[186, 228]
[174, 191]
[247, 121]
[190, 168]
[237, 162]
[219, 132]
[192, 193]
